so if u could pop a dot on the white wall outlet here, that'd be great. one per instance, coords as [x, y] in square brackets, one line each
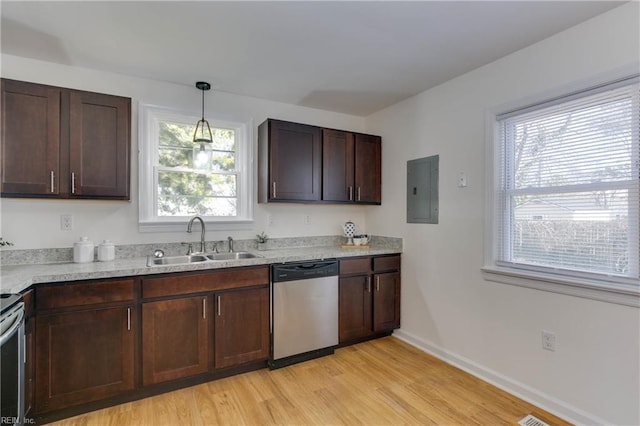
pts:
[548, 340]
[462, 180]
[66, 222]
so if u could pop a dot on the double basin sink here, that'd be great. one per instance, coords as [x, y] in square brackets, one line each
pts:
[198, 258]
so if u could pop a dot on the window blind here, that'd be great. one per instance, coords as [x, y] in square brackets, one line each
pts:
[569, 182]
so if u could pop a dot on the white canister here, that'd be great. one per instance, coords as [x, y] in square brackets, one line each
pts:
[83, 251]
[106, 251]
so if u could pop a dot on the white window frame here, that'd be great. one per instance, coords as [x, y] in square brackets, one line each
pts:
[148, 220]
[624, 291]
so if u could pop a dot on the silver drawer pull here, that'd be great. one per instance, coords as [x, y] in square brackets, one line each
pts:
[128, 319]
[204, 308]
[219, 313]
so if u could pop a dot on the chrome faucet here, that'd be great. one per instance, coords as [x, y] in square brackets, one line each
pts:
[202, 244]
[230, 244]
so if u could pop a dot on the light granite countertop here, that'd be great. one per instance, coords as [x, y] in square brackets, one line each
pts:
[17, 278]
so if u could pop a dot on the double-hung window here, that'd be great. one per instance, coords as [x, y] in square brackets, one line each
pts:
[180, 179]
[565, 184]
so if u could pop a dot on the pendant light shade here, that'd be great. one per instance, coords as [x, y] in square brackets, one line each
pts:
[202, 134]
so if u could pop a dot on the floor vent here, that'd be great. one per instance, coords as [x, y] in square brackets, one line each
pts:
[531, 421]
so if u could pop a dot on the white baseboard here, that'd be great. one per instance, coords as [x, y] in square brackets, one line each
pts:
[533, 396]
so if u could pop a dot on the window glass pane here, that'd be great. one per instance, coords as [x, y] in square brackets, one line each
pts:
[583, 144]
[223, 161]
[582, 231]
[224, 139]
[175, 156]
[186, 193]
[175, 134]
[186, 206]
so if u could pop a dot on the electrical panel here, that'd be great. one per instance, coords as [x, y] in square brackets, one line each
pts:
[422, 190]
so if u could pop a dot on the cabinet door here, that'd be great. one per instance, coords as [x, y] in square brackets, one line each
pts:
[83, 356]
[368, 168]
[295, 161]
[386, 301]
[241, 327]
[30, 139]
[174, 339]
[337, 165]
[355, 307]
[99, 144]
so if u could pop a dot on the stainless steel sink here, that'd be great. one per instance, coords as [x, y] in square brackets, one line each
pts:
[176, 260]
[232, 256]
[198, 258]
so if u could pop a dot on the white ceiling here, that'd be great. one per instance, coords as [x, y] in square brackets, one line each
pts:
[354, 57]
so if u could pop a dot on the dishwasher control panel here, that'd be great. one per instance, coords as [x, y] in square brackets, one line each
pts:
[304, 270]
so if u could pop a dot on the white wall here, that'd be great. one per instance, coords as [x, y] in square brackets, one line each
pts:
[447, 308]
[35, 223]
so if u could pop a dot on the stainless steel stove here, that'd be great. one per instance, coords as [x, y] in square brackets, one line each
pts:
[12, 353]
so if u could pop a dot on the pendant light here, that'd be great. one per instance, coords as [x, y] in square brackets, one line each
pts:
[202, 134]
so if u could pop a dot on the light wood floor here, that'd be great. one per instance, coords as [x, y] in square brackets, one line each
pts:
[381, 382]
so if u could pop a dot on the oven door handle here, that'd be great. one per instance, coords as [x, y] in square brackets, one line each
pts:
[17, 323]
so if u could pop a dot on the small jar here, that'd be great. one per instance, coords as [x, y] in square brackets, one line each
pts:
[106, 251]
[83, 250]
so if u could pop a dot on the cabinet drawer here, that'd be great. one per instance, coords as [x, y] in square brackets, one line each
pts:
[360, 265]
[88, 293]
[386, 263]
[175, 285]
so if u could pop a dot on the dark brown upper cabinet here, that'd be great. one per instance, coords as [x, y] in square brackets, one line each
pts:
[351, 167]
[64, 143]
[304, 163]
[290, 164]
[338, 165]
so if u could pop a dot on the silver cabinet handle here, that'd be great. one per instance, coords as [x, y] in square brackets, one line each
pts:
[368, 284]
[204, 308]
[351, 193]
[358, 193]
[274, 189]
[219, 313]
[378, 283]
[52, 176]
[128, 319]
[73, 182]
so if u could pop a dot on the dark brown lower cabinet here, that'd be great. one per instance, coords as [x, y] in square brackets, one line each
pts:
[174, 339]
[83, 356]
[386, 301]
[369, 297]
[241, 327]
[355, 307]
[96, 343]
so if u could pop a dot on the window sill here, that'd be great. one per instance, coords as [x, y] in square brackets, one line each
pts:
[590, 289]
[181, 225]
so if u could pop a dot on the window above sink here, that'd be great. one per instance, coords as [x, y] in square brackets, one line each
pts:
[178, 180]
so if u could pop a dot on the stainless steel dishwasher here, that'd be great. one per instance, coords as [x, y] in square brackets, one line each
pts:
[304, 311]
